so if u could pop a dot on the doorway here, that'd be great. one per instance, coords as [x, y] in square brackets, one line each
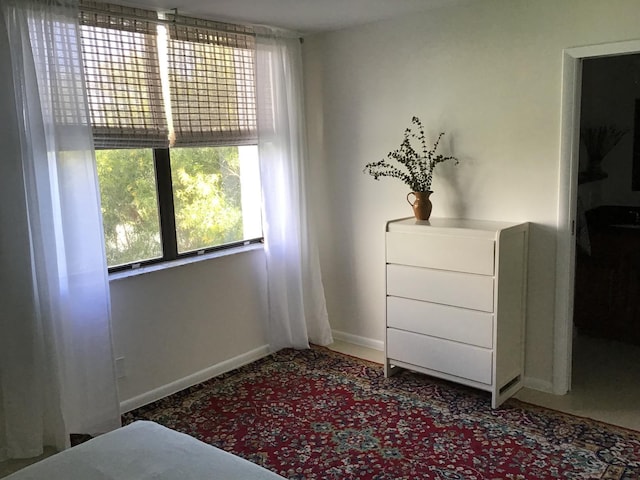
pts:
[607, 271]
[569, 226]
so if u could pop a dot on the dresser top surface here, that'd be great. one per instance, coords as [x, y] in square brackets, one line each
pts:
[450, 225]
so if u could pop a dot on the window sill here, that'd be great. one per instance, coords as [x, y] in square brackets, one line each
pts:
[184, 261]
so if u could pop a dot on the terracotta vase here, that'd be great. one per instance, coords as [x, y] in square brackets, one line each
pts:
[421, 204]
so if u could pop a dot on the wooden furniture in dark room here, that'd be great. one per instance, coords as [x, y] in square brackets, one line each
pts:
[607, 280]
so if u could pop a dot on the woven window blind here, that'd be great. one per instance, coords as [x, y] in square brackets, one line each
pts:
[120, 54]
[59, 44]
[212, 83]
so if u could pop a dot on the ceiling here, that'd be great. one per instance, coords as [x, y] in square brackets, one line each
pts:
[302, 16]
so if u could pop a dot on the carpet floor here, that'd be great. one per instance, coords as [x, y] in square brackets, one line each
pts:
[318, 414]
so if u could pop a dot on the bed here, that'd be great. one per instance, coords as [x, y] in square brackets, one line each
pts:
[144, 450]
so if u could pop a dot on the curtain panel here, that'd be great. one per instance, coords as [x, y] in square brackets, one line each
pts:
[297, 307]
[56, 362]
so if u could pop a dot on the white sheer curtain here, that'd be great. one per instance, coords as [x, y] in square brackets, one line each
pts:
[56, 363]
[297, 308]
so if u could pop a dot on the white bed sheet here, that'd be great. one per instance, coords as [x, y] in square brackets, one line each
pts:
[144, 450]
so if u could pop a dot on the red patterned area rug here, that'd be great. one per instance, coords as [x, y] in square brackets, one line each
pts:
[317, 414]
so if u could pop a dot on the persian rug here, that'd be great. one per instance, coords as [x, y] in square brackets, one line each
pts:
[318, 414]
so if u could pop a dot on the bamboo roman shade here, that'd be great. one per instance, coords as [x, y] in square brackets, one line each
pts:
[178, 80]
[122, 71]
[212, 82]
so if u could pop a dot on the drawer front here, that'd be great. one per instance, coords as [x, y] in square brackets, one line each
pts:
[439, 286]
[451, 323]
[465, 361]
[444, 252]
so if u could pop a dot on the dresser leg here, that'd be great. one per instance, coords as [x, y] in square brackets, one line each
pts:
[390, 370]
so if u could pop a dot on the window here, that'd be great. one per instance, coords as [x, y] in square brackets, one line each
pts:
[173, 111]
[130, 214]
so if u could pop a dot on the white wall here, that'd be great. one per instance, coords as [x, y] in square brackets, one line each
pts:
[489, 74]
[171, 324]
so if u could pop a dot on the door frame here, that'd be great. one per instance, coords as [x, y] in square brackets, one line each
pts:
[567, 200]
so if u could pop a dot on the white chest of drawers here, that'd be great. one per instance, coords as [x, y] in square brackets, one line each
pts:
[456, 299]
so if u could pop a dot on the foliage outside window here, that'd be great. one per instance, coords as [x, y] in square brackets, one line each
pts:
[130, 214]
[215, 197]
[207, 196]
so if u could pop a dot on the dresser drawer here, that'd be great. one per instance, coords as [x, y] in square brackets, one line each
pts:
[451, 323]
[444, 252]
[461, 360]
[439, 286]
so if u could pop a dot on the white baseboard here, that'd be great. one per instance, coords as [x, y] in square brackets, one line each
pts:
[358, 340]
[194, 379]
[538, 384]
[226, 366]
[258, 353]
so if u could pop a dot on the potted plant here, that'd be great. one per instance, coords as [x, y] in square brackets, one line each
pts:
[598, 142]
[413, 167]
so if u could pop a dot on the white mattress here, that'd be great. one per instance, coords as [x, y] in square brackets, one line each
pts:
[140, 451]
